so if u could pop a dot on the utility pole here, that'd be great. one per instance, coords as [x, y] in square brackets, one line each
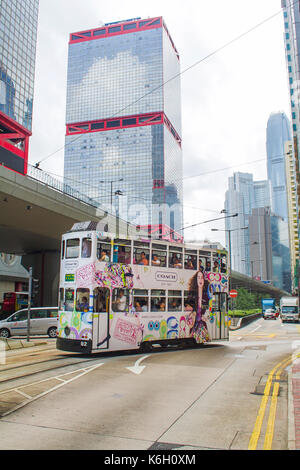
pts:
[29, 304]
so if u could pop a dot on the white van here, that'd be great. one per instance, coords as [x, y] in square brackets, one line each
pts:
[43, 321]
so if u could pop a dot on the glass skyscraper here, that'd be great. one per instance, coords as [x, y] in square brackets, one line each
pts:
[278, 134]
[291, 17]
[123, 116]
[18, 33]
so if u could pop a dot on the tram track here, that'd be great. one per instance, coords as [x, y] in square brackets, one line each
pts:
[23, 371]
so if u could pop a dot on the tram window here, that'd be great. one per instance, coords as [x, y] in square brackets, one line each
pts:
[63, 249]
[215, 303]
[82, 300]
[122, 251]
[223, 264]
[141, 253]
[190, 259]
[216, 265]
[120, 300]
[86, 248]
[219, 302]
[101, 299]
[175, 259]
[174, 301]
[189, 301]
[204, 263]
[103, 251]
[69, 300]
[72, 250]
[61, 298]
[140, 300]
[159, 255]
[158, 300]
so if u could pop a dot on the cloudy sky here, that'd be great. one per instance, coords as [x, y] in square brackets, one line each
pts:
[226, 98]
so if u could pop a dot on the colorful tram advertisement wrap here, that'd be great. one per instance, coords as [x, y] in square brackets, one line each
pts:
[130, 293]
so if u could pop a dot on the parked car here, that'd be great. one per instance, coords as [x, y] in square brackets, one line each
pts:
[269, 313]
[43, 321]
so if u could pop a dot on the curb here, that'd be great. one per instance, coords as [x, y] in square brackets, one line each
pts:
[19, 344]
[291, 415]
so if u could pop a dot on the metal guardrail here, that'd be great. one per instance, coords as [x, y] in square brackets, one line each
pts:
[54, 183]
[243, 321]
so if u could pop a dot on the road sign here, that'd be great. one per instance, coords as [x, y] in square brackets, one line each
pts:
[233, 293]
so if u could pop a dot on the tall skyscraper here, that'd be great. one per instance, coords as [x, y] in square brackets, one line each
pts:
[278, 133]
[18, 26]
[123, 118]
[291, 16]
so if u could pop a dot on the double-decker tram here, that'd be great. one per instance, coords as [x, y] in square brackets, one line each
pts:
[131, 292]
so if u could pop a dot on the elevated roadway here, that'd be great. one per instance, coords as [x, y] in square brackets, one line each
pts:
[240, 280]
[34, 215]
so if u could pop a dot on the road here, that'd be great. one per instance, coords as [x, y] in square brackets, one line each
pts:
[192, 399]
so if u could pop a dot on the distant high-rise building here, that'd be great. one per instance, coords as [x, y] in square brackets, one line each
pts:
[18, 26]
[269, 248]
[123, 117]
[292, 213]
[242, 196]
[259, 239]
[278, 133]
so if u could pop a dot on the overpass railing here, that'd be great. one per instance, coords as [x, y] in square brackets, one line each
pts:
[54, 183]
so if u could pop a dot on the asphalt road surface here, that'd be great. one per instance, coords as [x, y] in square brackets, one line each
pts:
[191, 399]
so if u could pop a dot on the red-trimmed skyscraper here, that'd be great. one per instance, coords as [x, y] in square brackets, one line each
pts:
[18, 26]
[123, 120]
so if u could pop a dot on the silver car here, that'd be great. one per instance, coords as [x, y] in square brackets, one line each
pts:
[43, 321]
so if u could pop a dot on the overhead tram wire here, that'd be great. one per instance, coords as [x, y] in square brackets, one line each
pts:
[211, 54]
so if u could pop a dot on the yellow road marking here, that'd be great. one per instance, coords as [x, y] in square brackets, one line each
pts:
[271, 420]
[264, 401]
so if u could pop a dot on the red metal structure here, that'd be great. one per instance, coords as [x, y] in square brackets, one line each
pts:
[13, 144]
[121, 123]
[124, 27]
[161, 232]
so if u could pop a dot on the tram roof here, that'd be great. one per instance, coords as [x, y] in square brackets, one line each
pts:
[92, 226]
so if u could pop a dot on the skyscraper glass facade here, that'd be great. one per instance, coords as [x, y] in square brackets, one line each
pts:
[18, 33]
[278, 133]
[123, 123]
[291, 18]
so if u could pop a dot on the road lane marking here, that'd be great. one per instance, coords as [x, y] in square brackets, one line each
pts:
[261, 413]
[271, 420]
[81, 372]
[278, 369]
[137, 369]
[257, 328]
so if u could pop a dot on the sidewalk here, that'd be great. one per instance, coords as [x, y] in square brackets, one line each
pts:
[294, 406]
[11, 344]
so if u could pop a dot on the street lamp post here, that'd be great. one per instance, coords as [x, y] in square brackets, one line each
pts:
[252, 263]
[118, 193]
[111, 190]
[229, 250]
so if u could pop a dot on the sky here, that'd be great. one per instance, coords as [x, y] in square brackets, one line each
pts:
[226, 98]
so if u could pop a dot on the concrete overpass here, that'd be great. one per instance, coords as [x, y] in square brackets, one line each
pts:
[35, 215]
[240, 280]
